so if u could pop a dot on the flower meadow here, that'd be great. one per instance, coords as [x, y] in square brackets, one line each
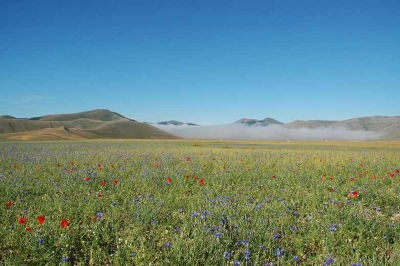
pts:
[182, 203]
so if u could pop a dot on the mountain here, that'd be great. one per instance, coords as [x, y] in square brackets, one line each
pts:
[102, 123]
[310, 123]
[175, 123]
[254, 122]
[389, 126]
[98, 114]
[99, 123]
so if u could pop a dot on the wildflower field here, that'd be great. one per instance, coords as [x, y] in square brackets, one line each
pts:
[199, 203]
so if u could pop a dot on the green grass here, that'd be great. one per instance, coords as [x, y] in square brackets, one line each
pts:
[240, 209]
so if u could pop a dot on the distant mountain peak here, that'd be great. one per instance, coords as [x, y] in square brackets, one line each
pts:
[175, 123]
[254, 122]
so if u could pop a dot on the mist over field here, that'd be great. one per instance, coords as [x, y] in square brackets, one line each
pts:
[271, 132]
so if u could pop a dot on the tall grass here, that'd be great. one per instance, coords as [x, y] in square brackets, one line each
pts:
[151, 203]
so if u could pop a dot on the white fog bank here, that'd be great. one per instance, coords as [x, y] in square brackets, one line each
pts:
[271, 132]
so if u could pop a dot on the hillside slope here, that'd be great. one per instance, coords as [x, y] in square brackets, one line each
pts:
[99, 123]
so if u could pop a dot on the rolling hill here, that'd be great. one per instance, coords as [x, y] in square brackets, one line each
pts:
[59, 133]
[98, 115]
[100, 123]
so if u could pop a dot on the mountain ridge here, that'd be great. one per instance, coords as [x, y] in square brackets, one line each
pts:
[389, 126]
[103, 123]
[176, 123]
[98, 123]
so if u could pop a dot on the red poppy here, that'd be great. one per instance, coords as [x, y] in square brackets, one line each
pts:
[41, 219]
[115, 182]
[22, 220]
[273, 176]
[332, 189]
[103, 183]
[188, 159]
[112, 166]
[332, 178]
[94, 218]
[58, 165]
[353, 194]
[87, 178]
[169, 180]
[64, 223]
[28, 228]
[99, 195]
[201, 182]
[9, 203]
[187, 176]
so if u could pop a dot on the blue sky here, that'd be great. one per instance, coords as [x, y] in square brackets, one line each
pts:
[207, 62]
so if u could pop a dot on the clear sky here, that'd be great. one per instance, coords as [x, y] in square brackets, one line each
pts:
[207, 62]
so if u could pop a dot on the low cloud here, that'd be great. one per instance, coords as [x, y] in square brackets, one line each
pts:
[271, 132]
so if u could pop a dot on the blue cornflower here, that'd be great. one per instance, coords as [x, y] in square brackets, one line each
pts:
[99, 215]
[227, 255]
[295, 258]
[333, 228]
[279, 252]
[236, 263]
[113, 203]
[329, 261]
[64, 259]
[219, 234]
[133, 254]
[356, 264]
[40, 241]
[277, 235]
[168, 245]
